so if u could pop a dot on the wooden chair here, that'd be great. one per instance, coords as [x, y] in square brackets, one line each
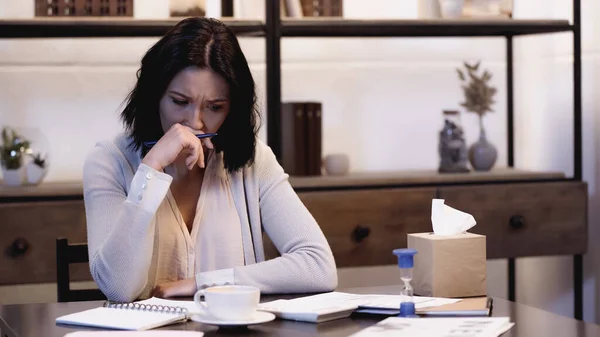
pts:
[67, 254]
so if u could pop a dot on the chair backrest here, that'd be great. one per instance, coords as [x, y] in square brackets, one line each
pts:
[67, 254]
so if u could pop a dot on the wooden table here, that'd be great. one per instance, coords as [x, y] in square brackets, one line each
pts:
[28, 320]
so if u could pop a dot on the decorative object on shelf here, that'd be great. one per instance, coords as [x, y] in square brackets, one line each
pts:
[429, 9]
[37, 168]
[452, 146]
[479, 99]
[187, 8]
[493, 9]
[52, 8]
[451, 9]
[24, 156]
[336, 164]
[12, 152]
[322, 7]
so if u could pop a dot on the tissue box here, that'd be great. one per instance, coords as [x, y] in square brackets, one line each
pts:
[449, 265]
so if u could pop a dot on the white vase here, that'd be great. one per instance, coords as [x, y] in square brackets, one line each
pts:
[429, 9]
[13, 177]
[336, 164]
[452, 9]
[35, 174]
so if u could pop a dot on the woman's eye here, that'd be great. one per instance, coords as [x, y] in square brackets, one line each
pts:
[179, 102]
[215, 107]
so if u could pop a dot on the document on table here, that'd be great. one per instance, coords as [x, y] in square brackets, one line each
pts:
[333, 305]
[438, 327]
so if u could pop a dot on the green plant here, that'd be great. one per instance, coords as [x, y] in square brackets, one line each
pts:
[479, 95]
[12, 149]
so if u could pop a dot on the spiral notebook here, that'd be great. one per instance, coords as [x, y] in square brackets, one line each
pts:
[143, 315]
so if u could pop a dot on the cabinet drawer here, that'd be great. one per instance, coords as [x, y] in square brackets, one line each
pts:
[526, 219]
[28, 233]
[364, 226]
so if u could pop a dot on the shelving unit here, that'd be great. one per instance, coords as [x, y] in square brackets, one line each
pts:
[274, 29]
[109, 27]
[277, 29]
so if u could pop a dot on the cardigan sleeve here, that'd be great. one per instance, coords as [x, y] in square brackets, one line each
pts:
[120, 224]
[306, 263]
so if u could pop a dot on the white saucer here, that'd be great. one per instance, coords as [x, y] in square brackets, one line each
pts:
[259, 317]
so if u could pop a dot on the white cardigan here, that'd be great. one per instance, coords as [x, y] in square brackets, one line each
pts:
[127, 248]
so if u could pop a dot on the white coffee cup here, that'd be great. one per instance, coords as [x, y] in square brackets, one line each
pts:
[228, 303]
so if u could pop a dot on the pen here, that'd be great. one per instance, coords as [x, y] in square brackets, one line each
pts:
[200, 136]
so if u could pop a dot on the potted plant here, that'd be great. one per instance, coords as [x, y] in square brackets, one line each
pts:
[479, 98]
[12, 151]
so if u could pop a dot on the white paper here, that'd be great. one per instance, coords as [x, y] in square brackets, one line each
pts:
[148, 333]
[338, 301]
[438, 327]
[449, 221]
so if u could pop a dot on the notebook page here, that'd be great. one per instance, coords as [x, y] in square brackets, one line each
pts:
[122, 319]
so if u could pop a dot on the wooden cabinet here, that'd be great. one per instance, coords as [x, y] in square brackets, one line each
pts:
[363, 223]
[526, 219]
[28, 232]
[364, 226]
[363, 217]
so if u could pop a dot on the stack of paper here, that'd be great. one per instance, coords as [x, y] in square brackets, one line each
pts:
[435, 327]
[334, 305]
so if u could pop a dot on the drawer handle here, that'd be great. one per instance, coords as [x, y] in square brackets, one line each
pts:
[517, 221]
[360, 233]
[19, 247]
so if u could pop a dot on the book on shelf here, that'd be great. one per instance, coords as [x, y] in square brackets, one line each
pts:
[301, 138]
[322, 7]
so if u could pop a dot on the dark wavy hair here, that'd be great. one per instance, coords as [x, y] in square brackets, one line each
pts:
[208, 44]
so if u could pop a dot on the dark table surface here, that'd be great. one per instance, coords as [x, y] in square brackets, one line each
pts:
[27, 320]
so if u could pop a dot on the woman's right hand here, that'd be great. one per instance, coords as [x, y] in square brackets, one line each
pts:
[177, 140]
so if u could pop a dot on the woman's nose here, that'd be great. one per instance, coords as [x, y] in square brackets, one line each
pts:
[195, 118]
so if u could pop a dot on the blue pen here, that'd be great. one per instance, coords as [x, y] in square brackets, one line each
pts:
[200, 136]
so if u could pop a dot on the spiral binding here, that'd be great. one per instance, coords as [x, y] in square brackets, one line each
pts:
[145, 307]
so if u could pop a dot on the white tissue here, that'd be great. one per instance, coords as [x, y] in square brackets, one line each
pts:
[449, 221]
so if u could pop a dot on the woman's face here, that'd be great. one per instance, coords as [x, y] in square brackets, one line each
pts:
[196, 98]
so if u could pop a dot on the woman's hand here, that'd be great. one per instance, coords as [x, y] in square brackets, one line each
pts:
[177, 140]
[185, 287]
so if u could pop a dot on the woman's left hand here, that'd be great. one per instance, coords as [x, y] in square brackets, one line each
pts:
[185, 287]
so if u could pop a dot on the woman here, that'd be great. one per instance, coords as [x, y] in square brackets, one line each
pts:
[186, 213]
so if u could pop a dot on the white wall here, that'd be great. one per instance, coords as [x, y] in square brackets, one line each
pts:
[382, 98]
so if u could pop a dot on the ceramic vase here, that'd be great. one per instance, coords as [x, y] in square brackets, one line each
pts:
[35, 173]
[482, 154]
[13, 177]
[451, 9]
[336, 164]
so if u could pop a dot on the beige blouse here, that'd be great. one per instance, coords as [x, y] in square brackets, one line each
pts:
[215, 241]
